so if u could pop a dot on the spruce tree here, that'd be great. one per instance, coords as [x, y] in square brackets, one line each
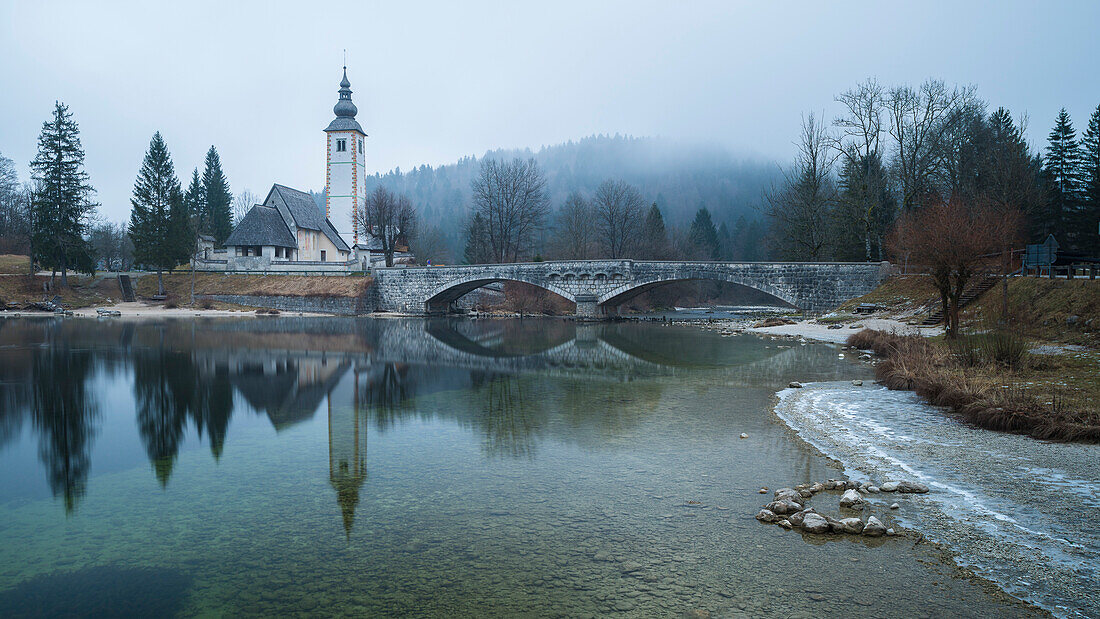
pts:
[654, 234]
[195, 201]
[61, 204]
[158, 220]
[1090, 185]
[219, 200]
[703, 236]
[1061, 173]
[725, 243]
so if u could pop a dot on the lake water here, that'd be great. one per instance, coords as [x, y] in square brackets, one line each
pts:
[332, 466]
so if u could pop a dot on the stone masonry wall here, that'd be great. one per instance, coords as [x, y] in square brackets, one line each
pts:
[342, 306]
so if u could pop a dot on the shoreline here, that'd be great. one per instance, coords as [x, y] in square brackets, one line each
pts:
[1014, 541]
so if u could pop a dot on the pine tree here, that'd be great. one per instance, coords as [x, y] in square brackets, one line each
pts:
[1061, 173]
[1090, 181]
[218, 198]
[158, 220]
[703, 236]
[654, 235]
[61, 204]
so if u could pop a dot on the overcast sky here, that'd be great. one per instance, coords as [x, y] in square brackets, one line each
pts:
[436, 81]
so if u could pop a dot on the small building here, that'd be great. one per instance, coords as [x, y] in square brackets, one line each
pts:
[287, 227]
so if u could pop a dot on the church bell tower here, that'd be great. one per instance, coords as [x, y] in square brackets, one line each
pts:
[345, 169]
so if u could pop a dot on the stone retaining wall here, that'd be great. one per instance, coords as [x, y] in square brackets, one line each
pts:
[342, 306]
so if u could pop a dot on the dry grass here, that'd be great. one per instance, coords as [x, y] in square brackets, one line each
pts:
[1042, 309]
[899, 294]
[287, 285]
[14, 263]
[985, 392]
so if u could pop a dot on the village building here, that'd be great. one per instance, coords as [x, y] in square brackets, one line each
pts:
[290, 232]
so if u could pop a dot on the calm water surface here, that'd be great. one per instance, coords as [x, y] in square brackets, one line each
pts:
[330, 466]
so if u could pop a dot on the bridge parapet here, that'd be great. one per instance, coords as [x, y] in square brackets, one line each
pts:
[600, 286]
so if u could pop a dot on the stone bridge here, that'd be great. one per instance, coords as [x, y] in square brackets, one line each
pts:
[599, 287]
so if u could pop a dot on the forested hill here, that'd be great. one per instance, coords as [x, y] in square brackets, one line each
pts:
[679, 177]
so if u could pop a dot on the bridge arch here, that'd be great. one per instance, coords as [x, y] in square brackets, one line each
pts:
[441, 297]
[627, 291]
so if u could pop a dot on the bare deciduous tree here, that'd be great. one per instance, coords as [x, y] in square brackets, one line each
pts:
[242, 202]
[430, 246]
[575, 230]
[512, 201]
[952, 242]
[619, 213]
[388, 217]
[920, 120]
[799, 210]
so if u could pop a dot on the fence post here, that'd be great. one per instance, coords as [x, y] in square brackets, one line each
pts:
[1069, 271]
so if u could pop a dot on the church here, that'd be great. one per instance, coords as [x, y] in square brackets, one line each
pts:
[290, 232]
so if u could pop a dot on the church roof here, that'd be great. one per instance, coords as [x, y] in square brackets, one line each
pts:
[306, 214]
[263, 225]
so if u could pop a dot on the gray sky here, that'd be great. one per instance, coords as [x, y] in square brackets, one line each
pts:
[436, 81]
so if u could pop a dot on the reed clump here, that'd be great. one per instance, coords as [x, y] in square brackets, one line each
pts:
[978, 377]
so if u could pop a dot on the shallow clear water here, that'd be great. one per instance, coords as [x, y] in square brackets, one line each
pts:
[334, 466]
[1019, 511]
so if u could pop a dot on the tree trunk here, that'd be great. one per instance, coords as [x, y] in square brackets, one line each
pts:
[389, 257]
[160, 283]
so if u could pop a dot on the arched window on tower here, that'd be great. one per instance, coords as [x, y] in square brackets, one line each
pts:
[360, 146]
[341, 145]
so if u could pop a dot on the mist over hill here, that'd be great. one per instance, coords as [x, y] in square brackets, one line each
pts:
[680, 177]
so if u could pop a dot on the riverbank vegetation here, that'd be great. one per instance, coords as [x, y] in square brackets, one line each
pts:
[992, 380]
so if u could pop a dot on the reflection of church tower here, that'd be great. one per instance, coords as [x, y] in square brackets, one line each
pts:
[347, 447]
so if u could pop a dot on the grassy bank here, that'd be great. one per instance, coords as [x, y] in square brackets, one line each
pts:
[992, 381]
[179, 284]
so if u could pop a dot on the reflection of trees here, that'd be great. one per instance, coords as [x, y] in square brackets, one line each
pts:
[170, 389]
[64, 416]
[508, 419]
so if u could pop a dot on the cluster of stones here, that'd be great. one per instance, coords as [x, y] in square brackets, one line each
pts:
[789, 509]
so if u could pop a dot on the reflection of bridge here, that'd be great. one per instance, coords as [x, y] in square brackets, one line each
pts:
[599, 287]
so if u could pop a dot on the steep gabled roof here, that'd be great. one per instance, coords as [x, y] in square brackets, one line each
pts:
[306, 214]
[263, 225]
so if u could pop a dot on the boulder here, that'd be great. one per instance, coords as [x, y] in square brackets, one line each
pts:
[852, 525]
[851, 499]
[794, 384]
[766, 515]
[815, 523]
[895, 506]
[817, 487]
[797, 517]
[912, 487]
[873, 489]
[783, 507]
[889, 486]
[857, 383]
[786, 524]
[874, 527]
[835, 525]
[788, 494]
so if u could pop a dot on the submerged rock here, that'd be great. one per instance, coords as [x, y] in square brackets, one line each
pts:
[889, 486]
[874, 527]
